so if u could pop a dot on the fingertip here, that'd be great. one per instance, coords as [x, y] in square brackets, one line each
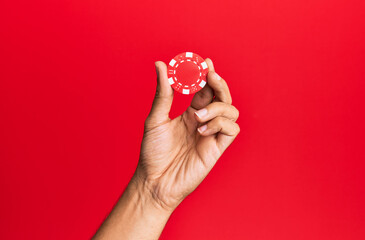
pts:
[161, 69]
[160, 65]
[157, 67]
[202, 129]
[163, 86]
[157, 64]
[210, 64]
[197, 117]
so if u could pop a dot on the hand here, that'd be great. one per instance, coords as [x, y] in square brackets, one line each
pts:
[176, 155]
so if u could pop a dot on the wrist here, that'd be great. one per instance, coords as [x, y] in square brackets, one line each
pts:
[146, 198]
[135, 216]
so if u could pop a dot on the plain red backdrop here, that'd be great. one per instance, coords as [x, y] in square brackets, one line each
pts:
[77, 79]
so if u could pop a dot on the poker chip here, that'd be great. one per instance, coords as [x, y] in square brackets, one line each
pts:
[187, 73]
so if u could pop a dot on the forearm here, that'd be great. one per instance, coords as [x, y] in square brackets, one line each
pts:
[135, 216]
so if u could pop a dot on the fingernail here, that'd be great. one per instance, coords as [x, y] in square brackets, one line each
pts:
[202, 128]
[217, 77]
[201, 113]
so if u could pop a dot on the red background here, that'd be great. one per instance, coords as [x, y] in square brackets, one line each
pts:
[77, 79]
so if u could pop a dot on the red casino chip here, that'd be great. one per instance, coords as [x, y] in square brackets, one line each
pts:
[187, 73]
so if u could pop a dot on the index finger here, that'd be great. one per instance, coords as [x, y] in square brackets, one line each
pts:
[204, 96]
[220, 88]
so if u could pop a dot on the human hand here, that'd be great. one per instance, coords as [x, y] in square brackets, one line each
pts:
[176, 155]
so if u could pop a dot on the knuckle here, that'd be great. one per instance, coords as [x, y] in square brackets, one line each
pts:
[236, 113]
[211, 81]
[220, 121]
[229, 100]
[217, 104]
[214, 108]
[158, 91]
[238, 129]
[160, 95]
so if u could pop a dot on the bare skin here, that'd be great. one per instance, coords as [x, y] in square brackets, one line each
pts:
[176, 155]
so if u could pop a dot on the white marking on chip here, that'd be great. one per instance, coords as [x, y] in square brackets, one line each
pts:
[171, 81]
[188, 60]
[189, 54]
[204, 65]
[186, 91]
[172, 62]
[202, 84]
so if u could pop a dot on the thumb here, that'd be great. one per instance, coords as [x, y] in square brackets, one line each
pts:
[163, 98]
